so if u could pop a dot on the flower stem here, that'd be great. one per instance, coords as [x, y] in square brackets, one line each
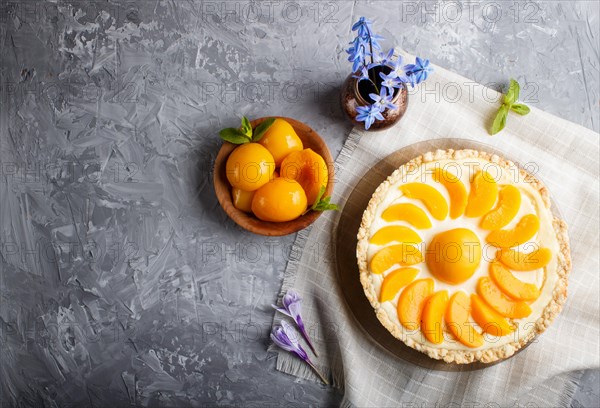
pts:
[317, 372]
[372, 61]
[309, 342]
[375, 85]
[370, 42]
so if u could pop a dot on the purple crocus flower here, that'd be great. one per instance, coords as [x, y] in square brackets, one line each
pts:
[292, 306]
[284, 337]
[368, 114]
[419, 71]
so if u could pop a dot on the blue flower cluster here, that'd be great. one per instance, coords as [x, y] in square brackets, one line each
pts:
[366, 45]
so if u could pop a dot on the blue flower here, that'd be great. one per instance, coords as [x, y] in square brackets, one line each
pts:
[399, 70]
[363, 26]
[359, 44]
[381, 58]
[368, 114]
[357, 63]
[390, 81]
[375, 38]
[383, 100]
[366, 32]
[363, 74]
[419, 71]
[357, 53]
[366, 44]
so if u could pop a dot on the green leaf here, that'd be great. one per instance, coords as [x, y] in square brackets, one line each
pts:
[512, 95]
[499, 120]
[510, 103]
[234, 136]
[246, 127]
[318, 199]
[323, 204]
[520, 109]
[260, 130]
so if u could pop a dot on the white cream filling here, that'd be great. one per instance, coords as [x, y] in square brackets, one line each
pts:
[531, 203]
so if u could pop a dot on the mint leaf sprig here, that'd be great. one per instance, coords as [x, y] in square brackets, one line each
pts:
[323, 203]
[509, 103]
[245, 133]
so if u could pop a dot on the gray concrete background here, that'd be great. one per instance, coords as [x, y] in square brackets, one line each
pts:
[123, 282]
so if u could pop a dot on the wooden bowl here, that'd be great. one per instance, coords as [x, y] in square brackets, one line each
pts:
[310, 139]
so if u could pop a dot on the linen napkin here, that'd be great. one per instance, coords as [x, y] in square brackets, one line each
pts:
[565, 156]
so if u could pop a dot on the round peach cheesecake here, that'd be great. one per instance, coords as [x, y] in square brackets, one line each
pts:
[461, 257]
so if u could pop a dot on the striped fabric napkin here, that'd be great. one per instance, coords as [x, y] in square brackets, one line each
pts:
[565, 157]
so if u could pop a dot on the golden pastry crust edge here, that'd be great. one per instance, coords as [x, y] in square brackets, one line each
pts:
[551, 310]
